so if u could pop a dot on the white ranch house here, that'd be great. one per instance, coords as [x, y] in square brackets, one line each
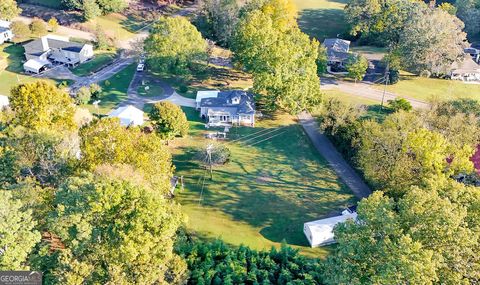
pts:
[6, 34]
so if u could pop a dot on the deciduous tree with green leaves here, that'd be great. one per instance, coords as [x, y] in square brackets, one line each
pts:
[115, 232]
[175, 45]
[169, 120]
[17, 233]
[356, 66]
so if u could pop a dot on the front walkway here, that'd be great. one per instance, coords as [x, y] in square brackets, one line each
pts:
[334, 159]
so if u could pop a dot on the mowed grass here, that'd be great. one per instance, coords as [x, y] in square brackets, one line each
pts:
[11, 68]
[322, 18]
[101, 59]
[113, 25]
[114, 92]
[426, 89]
[275, 181]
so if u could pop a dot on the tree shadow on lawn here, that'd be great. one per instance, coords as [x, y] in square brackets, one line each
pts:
[14, 58]
[323, 23]
[275, 185]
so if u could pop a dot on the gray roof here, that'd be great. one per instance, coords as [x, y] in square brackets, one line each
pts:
[337, 56]
[2, 29]
[226, 101]
[36, 47]
[338, 45]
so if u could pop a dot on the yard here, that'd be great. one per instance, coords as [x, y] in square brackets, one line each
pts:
[114, 90]
[275, 181]
[322, 18]
[11, 68]
[426, 89]
[101, 59]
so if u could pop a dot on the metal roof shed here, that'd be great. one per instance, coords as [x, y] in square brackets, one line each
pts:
[128, 115]
[320, 232]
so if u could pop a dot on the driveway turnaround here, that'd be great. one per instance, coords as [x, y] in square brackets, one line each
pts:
[334, 159]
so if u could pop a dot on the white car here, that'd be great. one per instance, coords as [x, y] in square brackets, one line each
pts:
[140, 67]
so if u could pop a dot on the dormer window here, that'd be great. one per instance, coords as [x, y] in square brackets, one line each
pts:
[236, 100]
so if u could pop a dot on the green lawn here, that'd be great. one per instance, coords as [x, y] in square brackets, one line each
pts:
[430, 88]
[322, 18]
[152, 90]
[117, 25]
[115, 92]
[101, 59]
[267, 190]
[11, 66]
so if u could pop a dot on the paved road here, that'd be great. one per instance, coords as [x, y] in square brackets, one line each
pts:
[104, 74]
[334, 159]
[365, 90]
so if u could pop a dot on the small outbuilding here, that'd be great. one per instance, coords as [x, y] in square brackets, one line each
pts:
[128, 115]
[4, 102]
[320, 232]
[36, 65]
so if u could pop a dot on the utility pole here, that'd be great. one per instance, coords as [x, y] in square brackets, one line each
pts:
[209, 159]
[387, 73]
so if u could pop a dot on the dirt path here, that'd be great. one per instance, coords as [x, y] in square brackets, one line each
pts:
[62, 30]
[334, 159]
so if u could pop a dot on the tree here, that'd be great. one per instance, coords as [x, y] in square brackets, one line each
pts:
[175, 45]
[322, 60]
[423, 33]
[217, 263]
[112, 6]
[17, 233]
[283, 64]
[169, 120]
[38, 27]
[95, 89]
[469, 12]
[83, 95]
[221, 17]
[91, 10]
[20, 29]
[53, 24]
[115, 232]
[107, 142]
[40, 104]
[379, 21]
[400, 104]
[356, 67]
[449, 8]
[101, 38]
[375, 250]
[9, 9]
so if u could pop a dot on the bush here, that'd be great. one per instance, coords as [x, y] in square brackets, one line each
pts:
[393, 77]
[53, 24]
[38, 27]
[400, 104]
[183, 88]
[425, 74]
[106, 83]
[83, 95]
[20, 29]
[95, 90]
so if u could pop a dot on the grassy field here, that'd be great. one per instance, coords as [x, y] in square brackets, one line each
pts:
[100, 59]
[426, 89]
[152, 90]
[11, 66]
[117, 26]
[115, 92]
[321, 18]
[275, 181]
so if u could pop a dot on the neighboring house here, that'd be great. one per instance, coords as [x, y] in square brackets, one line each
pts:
[225, 108]
[4, 102]
[128, 115]
[467, 70]
[474, 53]
[321, 233]
[338, 51]
[57, 50]
[6, 33]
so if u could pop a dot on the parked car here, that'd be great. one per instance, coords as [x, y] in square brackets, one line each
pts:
[141, 67]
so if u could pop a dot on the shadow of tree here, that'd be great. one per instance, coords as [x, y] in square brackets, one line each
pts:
[323, 23]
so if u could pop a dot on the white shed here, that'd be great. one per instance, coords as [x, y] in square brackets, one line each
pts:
[205, 94]
[36, 65]
[320, 232]
[4, 101]
[128, 115]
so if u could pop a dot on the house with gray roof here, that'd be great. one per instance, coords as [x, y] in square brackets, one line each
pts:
[226, 108]
[56, 50]
[337, 51]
